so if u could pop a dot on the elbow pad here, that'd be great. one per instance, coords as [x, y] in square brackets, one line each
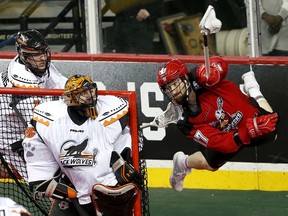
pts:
[218, 72]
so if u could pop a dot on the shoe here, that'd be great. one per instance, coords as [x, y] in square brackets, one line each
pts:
[209, 24]
[249, 82]
[179, 171]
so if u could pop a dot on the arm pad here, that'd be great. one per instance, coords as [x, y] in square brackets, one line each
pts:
[52, 188]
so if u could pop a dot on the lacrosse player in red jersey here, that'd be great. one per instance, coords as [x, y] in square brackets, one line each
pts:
[216, 114]
[86, 138]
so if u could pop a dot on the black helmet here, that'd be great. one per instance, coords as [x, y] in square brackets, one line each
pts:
[32, 43]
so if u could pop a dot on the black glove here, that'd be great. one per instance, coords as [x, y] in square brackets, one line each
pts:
[124, 171]
[18, 148]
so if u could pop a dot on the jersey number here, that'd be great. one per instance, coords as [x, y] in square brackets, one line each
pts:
[200, 138]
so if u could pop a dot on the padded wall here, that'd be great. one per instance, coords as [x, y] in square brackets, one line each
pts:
[162, 143]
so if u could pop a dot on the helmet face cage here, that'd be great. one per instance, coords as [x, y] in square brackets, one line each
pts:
[177, 90]
[173, 81]
[81, 92]
[33, 51]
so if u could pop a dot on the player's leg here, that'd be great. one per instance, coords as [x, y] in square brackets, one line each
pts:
[252, 88]
[62, 208]
[183, 164]
[71, 208]
[204, 159]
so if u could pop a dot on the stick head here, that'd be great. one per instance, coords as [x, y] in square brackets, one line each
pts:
[209, 24]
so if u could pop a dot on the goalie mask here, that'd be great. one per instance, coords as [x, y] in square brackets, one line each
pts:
[33, 52]
[81, 92]
[173, 81]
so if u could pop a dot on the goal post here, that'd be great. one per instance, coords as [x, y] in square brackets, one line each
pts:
[13, 179]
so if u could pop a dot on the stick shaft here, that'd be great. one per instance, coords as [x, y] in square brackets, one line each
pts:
[145, 125]
[206, 55]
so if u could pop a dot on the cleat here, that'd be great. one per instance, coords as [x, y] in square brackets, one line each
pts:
[179, 171]
[209, 24]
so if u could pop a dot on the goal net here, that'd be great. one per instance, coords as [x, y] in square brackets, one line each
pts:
[16, 110]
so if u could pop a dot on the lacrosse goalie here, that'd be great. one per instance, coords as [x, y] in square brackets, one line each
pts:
[77, 152]
[216, 114]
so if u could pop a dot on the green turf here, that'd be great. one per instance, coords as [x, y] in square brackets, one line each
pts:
[166, 202]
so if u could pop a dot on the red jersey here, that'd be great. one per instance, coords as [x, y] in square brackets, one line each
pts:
[223, 111]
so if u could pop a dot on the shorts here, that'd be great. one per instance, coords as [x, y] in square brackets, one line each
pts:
[217, 159]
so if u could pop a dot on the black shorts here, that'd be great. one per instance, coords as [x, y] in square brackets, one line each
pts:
[216, 159]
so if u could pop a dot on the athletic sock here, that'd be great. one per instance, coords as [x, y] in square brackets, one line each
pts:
[186, 163]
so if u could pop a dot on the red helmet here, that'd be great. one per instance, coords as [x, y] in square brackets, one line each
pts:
[170, 71]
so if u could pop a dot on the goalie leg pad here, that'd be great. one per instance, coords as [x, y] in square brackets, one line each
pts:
[118, 201]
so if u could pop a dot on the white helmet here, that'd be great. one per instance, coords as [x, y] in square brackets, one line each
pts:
[10, 208]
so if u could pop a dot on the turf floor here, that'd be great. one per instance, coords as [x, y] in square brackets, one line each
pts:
[166, 202]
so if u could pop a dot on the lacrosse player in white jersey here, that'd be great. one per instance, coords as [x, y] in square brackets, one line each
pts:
[31, 68]
[82, 136]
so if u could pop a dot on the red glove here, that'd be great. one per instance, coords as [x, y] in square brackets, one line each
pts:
[261, 125]
[218, 72]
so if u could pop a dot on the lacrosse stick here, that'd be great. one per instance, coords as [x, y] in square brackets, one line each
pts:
[171, 115]
[209, 24]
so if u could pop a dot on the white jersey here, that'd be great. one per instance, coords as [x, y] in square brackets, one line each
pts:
[12, 127]
[82, 152]
[16, 75]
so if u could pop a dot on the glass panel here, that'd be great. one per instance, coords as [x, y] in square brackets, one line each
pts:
[274, 27]
[172, 27]
[61, 21]
[146, 26]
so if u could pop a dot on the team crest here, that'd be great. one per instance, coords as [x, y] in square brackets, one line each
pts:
[226, 121]
[75, 154]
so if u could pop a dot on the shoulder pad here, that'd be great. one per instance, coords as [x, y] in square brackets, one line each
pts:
[111, 109]
[48, 112]
[20, 77]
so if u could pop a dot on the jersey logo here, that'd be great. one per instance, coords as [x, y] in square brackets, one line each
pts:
[226, 122]
[73, 154]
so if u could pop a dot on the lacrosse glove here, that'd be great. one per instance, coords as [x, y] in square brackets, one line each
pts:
[124, 171]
